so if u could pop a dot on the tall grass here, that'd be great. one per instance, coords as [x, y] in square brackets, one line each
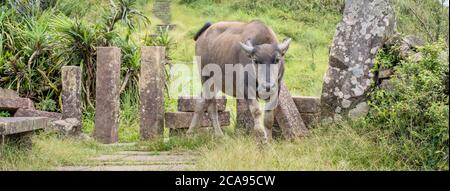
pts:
[333, 148]
[413, 115]
[49, 152]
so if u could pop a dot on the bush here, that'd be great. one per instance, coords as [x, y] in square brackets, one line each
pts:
[414, 115]
[37, 38]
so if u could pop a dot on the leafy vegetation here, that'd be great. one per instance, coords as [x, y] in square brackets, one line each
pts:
[414, 113]
[34, 49]
[49, 152]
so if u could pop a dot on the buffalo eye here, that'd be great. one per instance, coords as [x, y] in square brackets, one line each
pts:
[277, 59]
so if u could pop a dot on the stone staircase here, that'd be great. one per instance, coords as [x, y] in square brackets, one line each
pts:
[137, 161]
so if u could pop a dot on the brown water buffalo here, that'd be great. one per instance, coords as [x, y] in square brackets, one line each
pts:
[243, 60]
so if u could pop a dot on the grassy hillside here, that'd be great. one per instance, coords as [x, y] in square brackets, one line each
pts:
[303, 76]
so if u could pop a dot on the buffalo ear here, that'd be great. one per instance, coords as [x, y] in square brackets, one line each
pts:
[284, 46]
[248, 47]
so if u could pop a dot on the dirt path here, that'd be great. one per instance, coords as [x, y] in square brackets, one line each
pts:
[136, 161]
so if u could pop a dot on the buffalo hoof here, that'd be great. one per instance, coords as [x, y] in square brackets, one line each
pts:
[190, 132]
[219, 134]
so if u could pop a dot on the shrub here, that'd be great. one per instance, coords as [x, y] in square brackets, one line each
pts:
[37, 38]
[414, 115]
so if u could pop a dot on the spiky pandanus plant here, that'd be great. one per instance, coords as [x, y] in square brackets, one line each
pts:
[36, 42]
[122, 10]
[78, 48]
[28, 64]
[82, 39]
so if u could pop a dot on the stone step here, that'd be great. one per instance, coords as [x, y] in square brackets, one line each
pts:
[175, 120]
[13, 104]
[288, 116]
[146, 158]
[152, 153]
[14, 125]
[19, 130]
[187, 103]
[36, 113]
[307, 104]
[127, 168]
[137, 161]
[98, 163]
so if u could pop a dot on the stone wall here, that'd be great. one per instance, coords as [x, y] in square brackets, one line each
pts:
[178, 122]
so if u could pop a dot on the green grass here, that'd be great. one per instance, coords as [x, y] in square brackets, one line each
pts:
[49, 152]
[300, 77]
[334, 148]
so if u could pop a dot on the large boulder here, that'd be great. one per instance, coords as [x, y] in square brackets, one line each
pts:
[365, 27]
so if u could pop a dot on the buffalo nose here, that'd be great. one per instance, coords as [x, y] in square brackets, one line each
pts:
[269, 87]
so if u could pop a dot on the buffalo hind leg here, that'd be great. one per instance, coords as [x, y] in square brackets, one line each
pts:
[214, 116]
[199, 111]
[256, 114]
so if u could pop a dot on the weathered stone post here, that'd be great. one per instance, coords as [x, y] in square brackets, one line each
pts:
[107, 94]
[364, 28]
[151, 92]
[287, 115]
[71, 94]
[244, 119]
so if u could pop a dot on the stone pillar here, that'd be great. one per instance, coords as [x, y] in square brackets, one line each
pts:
[244, 119]
[107, 94]
[287, 115]
[71, 94]
[151, 92]
[364, 28]
[309, 109]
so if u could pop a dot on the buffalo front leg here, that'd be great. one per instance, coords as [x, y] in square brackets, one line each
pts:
[198, 115]
[269, 118]
[256, 114]
[214, 116]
